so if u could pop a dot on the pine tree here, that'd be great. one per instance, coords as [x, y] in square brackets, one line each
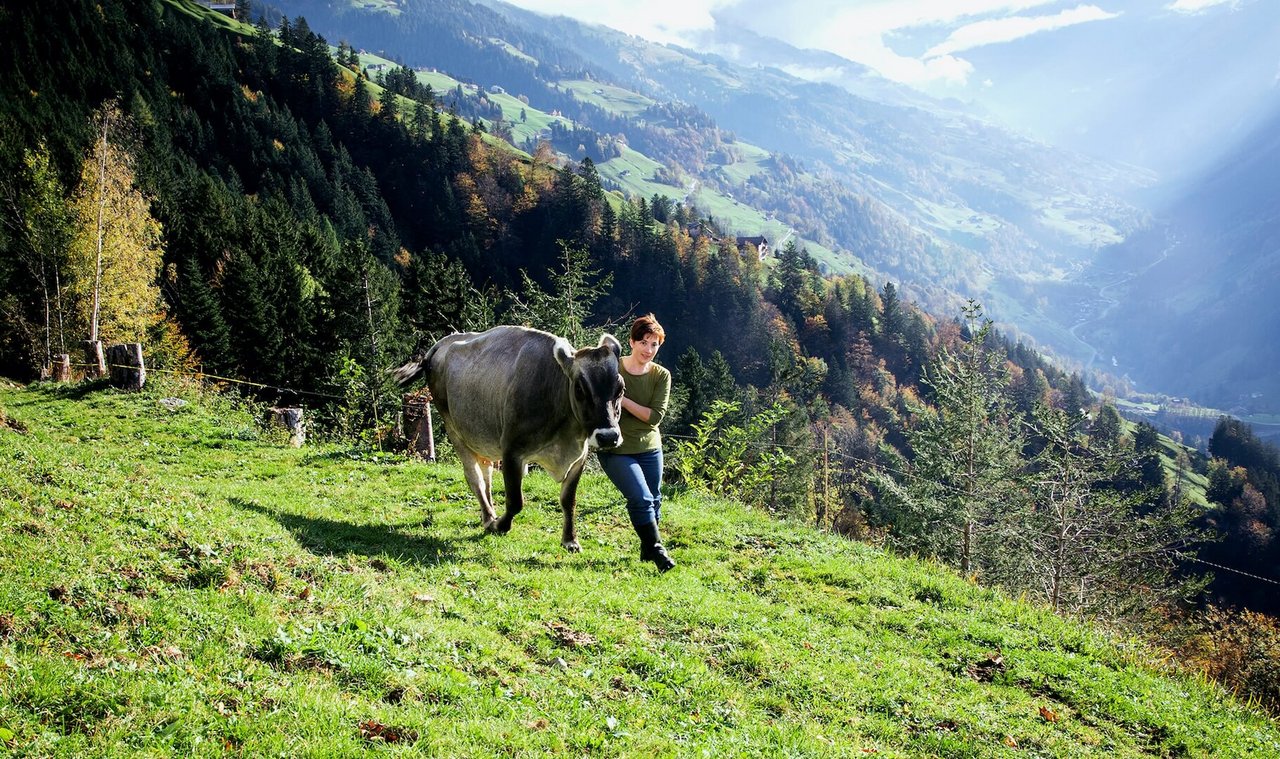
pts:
[565, 309]
[1107, 427]
[964, 479]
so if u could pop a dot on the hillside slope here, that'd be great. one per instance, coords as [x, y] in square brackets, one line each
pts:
[948, 206]
[177, 580]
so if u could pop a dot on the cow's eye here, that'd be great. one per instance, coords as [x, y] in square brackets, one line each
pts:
[580, 388]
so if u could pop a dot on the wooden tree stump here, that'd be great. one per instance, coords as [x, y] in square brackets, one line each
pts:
[127, 369]
[292, 420]
[416, 413]
[93, 357]
[62, 367]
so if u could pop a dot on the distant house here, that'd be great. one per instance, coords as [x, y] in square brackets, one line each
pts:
[761, 244]
[496, 90]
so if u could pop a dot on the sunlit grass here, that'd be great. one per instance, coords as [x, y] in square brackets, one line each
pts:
[180, 581]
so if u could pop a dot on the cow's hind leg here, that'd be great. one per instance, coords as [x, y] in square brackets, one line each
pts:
[513, 471]
[569, 505]
[479, 472]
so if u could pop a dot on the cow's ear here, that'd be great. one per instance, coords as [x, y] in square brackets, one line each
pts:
[612, 343]
[564, 356]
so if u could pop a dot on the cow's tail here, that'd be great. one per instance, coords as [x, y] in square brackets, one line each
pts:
[415, 368]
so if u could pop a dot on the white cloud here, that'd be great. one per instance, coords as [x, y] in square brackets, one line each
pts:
[1011, 28]
[657, 20]
[816, 73]
[1198, 6]
[860, 30]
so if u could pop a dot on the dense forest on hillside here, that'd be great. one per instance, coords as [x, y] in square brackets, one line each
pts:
[275, 217]
[687, 141]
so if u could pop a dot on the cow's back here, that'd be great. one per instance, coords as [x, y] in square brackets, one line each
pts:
[498, 386]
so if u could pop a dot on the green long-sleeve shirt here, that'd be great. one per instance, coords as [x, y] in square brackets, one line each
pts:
[652, 389]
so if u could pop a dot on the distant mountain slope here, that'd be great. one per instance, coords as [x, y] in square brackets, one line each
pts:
[944, 203]
[1204, 321]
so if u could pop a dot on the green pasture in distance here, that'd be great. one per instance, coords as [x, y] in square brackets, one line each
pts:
[613, 99]
[514, 51]
[754, 161]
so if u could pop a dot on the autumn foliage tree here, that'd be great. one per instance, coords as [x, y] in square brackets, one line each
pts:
[115, 251]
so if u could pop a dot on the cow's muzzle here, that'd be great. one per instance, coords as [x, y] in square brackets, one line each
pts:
[606, 438]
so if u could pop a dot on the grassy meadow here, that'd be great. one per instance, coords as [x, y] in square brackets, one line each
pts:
[176, 580]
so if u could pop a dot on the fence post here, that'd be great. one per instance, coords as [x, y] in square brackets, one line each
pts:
[416, 413]
[93, 357]
[291, 419]
[62, 367]
[127, 369]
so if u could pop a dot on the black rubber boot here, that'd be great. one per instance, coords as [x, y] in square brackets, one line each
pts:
[651, 549]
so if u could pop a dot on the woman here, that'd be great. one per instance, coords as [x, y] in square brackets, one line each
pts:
[635, 467]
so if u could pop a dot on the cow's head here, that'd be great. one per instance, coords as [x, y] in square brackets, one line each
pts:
[595, 389]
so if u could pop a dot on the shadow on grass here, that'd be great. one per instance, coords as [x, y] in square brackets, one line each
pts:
[71, 391]
[328, 537]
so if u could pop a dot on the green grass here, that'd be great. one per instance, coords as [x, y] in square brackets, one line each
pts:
[633, 171]
[182, 582]
[514, 51]
[755, 160]
[608, 97]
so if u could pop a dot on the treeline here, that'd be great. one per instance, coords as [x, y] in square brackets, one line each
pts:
[1244, 484]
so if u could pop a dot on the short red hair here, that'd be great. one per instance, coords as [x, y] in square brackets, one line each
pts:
[646, 325]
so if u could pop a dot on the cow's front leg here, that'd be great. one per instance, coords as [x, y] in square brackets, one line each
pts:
[569, 505]
[513, 471]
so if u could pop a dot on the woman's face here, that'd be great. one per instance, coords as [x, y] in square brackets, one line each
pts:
[646, 347]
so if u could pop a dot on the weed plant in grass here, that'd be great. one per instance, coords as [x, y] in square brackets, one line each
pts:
[175, 580]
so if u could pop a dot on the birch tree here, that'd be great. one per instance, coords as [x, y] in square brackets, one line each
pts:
[115, 251]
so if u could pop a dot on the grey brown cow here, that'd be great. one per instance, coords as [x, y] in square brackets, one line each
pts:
[523, 396]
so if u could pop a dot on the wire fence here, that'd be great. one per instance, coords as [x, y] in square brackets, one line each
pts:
[202, 376]
[825, 451]
[945, 486]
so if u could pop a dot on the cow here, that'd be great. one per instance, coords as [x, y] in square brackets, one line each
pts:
[522, 396]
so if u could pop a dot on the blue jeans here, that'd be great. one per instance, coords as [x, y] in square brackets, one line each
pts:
[639, 477]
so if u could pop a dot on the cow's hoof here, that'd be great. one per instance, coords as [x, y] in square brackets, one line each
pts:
[571, 546]
[492, 528]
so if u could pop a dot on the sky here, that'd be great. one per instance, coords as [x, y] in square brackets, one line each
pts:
[885, 35]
